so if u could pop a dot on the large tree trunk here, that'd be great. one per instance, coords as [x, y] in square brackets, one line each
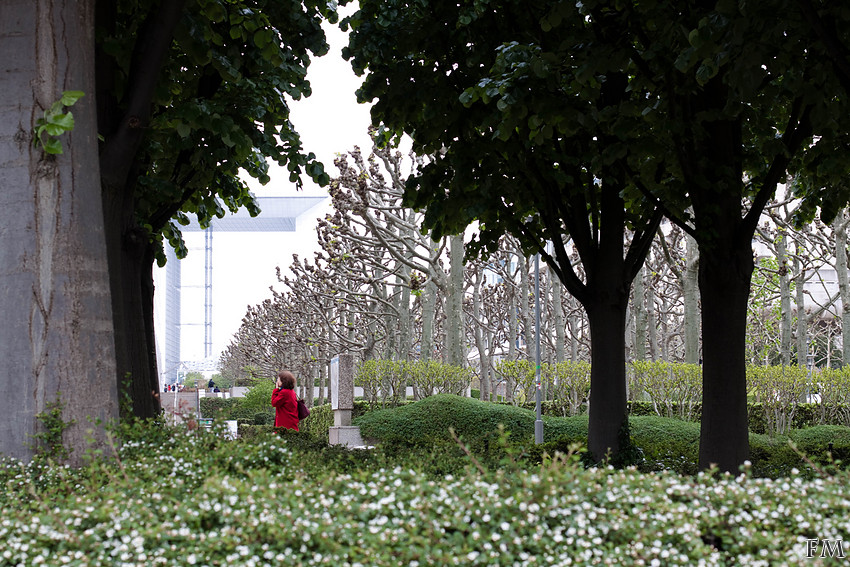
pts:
[652, 322]
[483, 366]
[56, 343]
[724, 274]
[131, 280]
[123, 124]
[607, 318]
[802, 316]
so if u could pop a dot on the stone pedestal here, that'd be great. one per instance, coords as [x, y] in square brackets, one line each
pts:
[342, 402]
[348, 436]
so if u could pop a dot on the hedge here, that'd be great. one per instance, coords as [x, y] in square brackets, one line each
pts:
[663, 443]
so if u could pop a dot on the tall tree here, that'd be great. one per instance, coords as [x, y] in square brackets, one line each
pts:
[56, 344]
[704, 105]
[190, 95]
[537, 146]
[737, 94]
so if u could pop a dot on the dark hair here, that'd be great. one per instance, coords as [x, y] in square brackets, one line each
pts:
[287, 380]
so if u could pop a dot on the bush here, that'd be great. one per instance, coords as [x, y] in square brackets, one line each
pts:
[666, 444]
[218, 408]
[431, 418]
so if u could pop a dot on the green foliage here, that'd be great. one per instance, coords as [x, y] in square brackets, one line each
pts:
[431, 418]
[48, 440]
[220, 108]
[779, 389]
[567, 383]
[258, 397]
[194, 380]
[178, 497]
[675, 389]
[56, 121]
[430, 377]
[223, 382]
[385, 381]
[666, 444]
[833, 386]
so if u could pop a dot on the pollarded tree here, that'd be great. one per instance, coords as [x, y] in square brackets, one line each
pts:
[56, 345]
[536, 146]
[368, 194]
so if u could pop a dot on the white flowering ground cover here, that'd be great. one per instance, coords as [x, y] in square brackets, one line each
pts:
[193, 499]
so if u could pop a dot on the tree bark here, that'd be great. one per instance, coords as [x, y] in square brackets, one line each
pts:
[429, 305]
[56, 343]
[652, 322]
[640, 314]
[724, 275]
[840, 229]
[608, 408]
[557, 317]
[784, 301]
[802, 316]
[454, 306]
[122, 123]
[484, 370]
[690, 289]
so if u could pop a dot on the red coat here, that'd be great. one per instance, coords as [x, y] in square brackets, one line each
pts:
[285, 408]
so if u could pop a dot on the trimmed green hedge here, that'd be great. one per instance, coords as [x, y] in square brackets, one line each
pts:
[664, 443]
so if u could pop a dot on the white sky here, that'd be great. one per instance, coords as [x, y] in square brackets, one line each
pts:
[330, 122]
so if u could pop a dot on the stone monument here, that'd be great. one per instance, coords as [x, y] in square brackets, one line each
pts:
[342, 403]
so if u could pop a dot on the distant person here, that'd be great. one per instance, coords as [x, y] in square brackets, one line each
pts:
[285, 402]
[216, 390]
[211, 385]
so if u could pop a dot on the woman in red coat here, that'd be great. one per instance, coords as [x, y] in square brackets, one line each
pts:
[285, 402]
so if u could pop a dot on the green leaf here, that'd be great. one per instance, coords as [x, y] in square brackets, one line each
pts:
[52, 146]
[70, 97]
[64, 122]
[183, 129]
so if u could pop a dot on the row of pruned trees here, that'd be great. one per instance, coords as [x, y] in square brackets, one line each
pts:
[381, 288]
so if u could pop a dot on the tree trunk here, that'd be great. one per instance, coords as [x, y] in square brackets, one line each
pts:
[557, 317]
[713, 157]
[404, 318]
[725, 272]
[608, 406]
[129, 250]
[524, 310]
[839, 227]
[802, 316]
[429, 306]
[574, 322]
[652, 322]
[484, 370]
[690, 289]
[454, 306]
[640, 314]
[784, 301]
[56, 343]
[510, 383]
